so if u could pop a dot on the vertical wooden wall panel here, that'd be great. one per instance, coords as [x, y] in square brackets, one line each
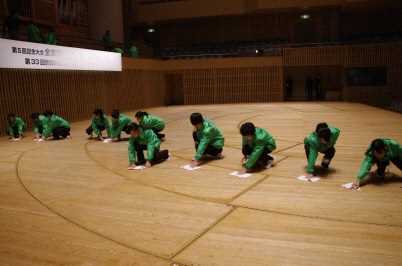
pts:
[75, 94]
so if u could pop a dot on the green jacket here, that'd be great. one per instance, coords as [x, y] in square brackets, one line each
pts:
[38, 124]
[97, 123]
[208, 134]
[18, 124]
[151, 121]
[53, 122]
[34, 34]
[118, 50]
[394, 151]
[147, 137]
[133, 52]
[51, 38]
[118, 125]
[261, 140]
[315, 146]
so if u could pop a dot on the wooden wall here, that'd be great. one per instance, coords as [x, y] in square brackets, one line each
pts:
[146, 82]
[75, 94]
[233, 80]
[382, 55]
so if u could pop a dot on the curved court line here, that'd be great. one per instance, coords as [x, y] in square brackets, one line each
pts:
[170, 259]
[49, 208]
[313, 217]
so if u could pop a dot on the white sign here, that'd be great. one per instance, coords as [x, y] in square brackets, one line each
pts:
[27, 55]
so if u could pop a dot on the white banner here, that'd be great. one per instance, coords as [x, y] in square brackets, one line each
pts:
[27, 55]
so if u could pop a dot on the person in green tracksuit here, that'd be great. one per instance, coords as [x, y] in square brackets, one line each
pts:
[51, 37]
[34, 34]
[55, 126]
[207, 137]
[99, 123]
[147, 121]
[16, 126]
[133, 51]
[380, 152]
[257, 144]
[144, 139]
[322, 140]
[120, 122]
[38, 121]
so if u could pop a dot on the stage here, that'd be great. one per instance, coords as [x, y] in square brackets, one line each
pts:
[73, 202]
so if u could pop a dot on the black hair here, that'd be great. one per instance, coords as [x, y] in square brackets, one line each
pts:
[115, 113]
[133, 126]
[378, 145]
[34, 116]
[324, 133]
[247, 129]
[321, 126]
[140, 114]
[99, 112]
[196, 119]
[48, 113]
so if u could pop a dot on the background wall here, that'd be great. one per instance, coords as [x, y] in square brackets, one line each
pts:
[75, 94]
[145, 83]
[106, 15]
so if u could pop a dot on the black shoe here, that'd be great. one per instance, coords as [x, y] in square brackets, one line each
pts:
[325, 163]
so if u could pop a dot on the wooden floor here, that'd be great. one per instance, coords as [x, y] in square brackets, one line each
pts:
[73, 202]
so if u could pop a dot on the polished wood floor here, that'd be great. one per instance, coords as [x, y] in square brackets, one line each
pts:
[73, 202]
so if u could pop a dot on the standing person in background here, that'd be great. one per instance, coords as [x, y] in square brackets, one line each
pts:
[289, 87]
[16, 126]
[55, 126]
[317, 88]
[34, 34]
[120, 122]
[38, 121]
[51, 37]
[107, 41]
[147, 121]
[309, 88]
[133, 51]
[99, 123]
[11, 26]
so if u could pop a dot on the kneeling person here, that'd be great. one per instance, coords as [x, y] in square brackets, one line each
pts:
[120, 122]
[38, 121]
[144, 139]
[207, 137]
[257, 144]
[55, 126]
[99, 123]
[16, 126]
[147, 121]
[380, 152]
[322, 140]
